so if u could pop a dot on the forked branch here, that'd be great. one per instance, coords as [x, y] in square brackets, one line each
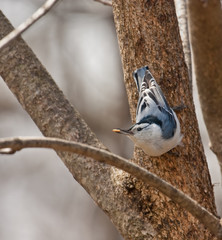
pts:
[28, 23]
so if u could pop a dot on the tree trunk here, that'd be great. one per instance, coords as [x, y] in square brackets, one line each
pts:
[139, 212]
[205, 21]
[148, 35]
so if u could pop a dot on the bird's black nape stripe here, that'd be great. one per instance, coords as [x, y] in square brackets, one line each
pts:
[151, 119]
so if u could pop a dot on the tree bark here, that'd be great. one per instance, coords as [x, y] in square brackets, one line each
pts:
[148, 35]
[139, 212]
[205, 21]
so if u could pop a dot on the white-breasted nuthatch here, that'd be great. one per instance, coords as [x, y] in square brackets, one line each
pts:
[157, 128]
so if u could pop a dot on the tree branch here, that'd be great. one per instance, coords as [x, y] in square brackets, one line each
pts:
[181, 9]
[105, 2]
[28, 23]
[204, 216]
[205, 21]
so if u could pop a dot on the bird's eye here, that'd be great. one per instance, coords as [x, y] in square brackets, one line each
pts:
[139, 129]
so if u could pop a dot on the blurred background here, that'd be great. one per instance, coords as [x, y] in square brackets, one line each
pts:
[39, 199]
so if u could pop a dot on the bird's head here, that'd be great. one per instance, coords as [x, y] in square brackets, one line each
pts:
[134, 132]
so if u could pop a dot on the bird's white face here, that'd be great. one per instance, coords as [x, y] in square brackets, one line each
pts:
[146, 135]
[137, 130]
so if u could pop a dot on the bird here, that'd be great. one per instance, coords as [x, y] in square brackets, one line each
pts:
[157, 128]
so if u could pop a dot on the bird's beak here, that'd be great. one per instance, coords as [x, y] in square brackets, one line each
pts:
[121, 131]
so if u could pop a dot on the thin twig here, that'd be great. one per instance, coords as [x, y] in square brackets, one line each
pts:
[28, 23]
[208, 219]
[105, 2]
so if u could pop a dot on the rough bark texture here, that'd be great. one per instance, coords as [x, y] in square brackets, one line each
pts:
[148, 34]
[205, 21]
[138, 212]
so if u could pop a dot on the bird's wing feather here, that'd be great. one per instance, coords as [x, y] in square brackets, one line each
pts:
[139, 75]
[150, 82]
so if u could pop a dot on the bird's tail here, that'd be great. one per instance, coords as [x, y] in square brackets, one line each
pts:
[139, 75]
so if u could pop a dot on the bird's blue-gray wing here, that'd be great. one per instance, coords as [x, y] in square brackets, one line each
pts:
[153, 103]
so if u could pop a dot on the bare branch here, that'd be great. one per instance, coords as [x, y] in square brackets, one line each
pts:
[209, 220]
[105, 2]
[205, 19]
[181, 9]
[28, 23]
